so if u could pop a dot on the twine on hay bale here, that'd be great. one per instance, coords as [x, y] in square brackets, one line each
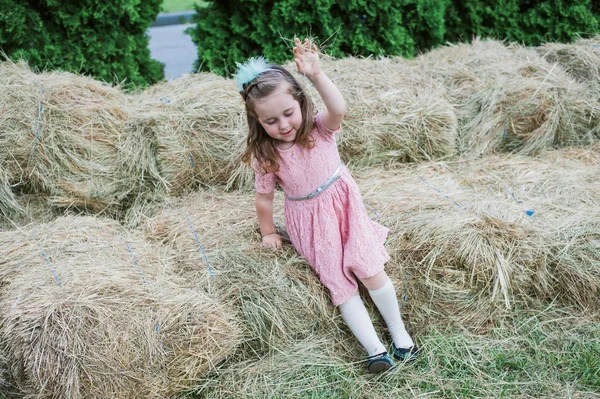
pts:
[63, 138]
[276, 294]
[510, 99]
[88, 310]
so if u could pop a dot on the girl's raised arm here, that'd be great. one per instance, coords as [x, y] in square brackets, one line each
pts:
[307, 60]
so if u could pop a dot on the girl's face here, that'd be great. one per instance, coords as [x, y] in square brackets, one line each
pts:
[280, 115]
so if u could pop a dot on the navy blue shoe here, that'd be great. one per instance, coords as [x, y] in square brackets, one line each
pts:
[379, 363]
[405, 354]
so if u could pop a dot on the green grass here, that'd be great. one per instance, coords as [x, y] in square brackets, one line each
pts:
[542, 355]
[180, 5]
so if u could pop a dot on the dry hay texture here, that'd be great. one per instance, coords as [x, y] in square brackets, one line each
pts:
[509, 99]
[215, 237]
[480, 235]
[581, 60]
[199, 125]
[465, 250]
[395, 112]
[78, 144]
[63, 138]
[89, 310]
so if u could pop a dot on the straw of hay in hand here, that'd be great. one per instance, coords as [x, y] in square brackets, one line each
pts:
[82, 316]
[510, 99]
[199, 123]
[63, 139]
[394, 113]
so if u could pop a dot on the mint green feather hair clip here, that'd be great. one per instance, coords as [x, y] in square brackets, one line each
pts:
[249, 70]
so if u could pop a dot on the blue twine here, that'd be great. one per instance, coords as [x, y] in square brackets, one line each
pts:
[528, 212]
[50, 265]
[405, 290]
[372, 209]
[210, 269]
[135, 262]
[164, 100]
[448, 198]
[192, 161]
[37, 129]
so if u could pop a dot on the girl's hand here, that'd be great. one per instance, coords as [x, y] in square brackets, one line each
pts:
[272, 241]
[306, 57]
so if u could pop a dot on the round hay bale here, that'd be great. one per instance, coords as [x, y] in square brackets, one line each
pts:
[276, 294]
[63, 138]
[394, 112]
[563, 190]
[465, 233]
[581, 60]
[510, 99]
[462, 255]
[200, 126]
[88, 310]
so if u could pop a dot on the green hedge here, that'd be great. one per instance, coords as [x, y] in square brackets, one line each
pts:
[227, 32]
[529, 22]
[107, 40]
[230, 31]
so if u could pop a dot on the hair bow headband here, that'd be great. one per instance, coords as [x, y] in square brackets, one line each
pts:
[249, 70]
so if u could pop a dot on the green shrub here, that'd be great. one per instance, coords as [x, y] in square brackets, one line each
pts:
[227, 32]
[230, 31]
[528, 22]
[107, 40]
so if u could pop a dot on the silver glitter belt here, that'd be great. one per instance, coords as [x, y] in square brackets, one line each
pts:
[334, 177]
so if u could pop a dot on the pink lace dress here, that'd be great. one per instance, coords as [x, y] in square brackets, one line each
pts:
[332, 230]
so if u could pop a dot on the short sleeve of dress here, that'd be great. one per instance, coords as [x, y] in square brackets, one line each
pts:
[264, 182]
[321, 128]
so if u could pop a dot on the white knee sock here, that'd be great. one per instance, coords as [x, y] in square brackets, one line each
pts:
[387, 303]
[356, 317]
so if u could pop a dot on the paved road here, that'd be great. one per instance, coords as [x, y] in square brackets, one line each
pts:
[170, 45]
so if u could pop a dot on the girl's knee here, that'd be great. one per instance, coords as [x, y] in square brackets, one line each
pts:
[375, 282]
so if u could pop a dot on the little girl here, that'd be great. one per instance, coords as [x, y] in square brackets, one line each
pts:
[324, 213]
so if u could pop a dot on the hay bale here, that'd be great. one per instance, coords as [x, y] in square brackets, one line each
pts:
[510, 99]
[394, 112]
[276, 295]
[563, 189]
[200, 127]
[81, 318]
[63, 138]
[464, 232]
[462, 259]
[581, 59]
[309, 365]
